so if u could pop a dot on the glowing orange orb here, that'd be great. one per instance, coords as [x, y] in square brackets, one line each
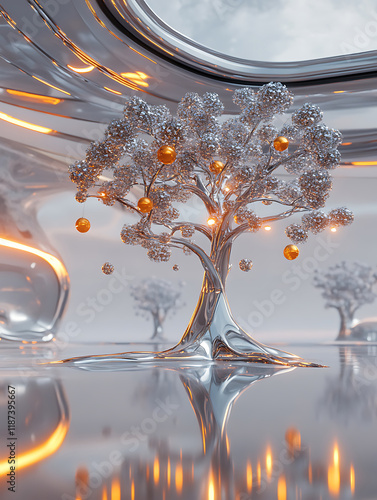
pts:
[211, 221]
[145, 205]
[216, 167]
[166, 155]
[82, 225]
[281, 143]
[291, 252]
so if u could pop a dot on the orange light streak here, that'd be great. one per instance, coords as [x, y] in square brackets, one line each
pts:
[138, 78]
[168, 473]
[50, 85]
[259, 474]
[156, 470]
[41, 452]
[211, 487]
[227, 445]
[34, 97]
[104, 493]
[21, 123]
[87, 69]
[178, 478]
[336, 455]
[115, 489]
[310, 473]
[113, 91]
[282, 488]
[363, 163]
[53, 261]
[249, 477]
[333, 474]
[352, 479]
[268, 463]
[132, 490]
[140, 54]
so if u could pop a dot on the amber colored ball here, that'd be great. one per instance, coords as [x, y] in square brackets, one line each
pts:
[82, 225]
[281, 143]
[216, 167]
[166, 155]
[145, 205]
[291, 252]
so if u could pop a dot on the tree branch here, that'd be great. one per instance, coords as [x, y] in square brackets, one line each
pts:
[127, 204]
[244, 227]
[198, 227]
[204, 259]
[210, 205]
[273, 167]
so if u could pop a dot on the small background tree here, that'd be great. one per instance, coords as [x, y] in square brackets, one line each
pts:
[156, 297]
[346, 286]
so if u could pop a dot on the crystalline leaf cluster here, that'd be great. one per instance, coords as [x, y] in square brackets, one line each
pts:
[254, 174]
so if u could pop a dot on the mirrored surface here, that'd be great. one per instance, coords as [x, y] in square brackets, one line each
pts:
[214, 431]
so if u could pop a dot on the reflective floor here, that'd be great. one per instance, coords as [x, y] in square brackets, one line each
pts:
[220, 431]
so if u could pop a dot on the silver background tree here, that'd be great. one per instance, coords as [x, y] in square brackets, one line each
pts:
[346, 286]
[157, 298]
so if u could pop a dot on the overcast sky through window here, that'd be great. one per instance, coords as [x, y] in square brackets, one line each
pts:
[274, 30]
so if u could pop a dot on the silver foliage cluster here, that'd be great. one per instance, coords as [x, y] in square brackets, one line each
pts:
[127, 158]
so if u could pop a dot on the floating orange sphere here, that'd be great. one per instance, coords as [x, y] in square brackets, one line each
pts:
[216, 167]
[281, 143]
[166, 155]
[145, 205]
[82, 225]
[291, 252]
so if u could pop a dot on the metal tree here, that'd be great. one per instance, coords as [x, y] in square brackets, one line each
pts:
[346, 287]
[156, 297]
[234, 167]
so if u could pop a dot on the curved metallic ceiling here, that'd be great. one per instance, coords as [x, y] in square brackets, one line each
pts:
[68, 65]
